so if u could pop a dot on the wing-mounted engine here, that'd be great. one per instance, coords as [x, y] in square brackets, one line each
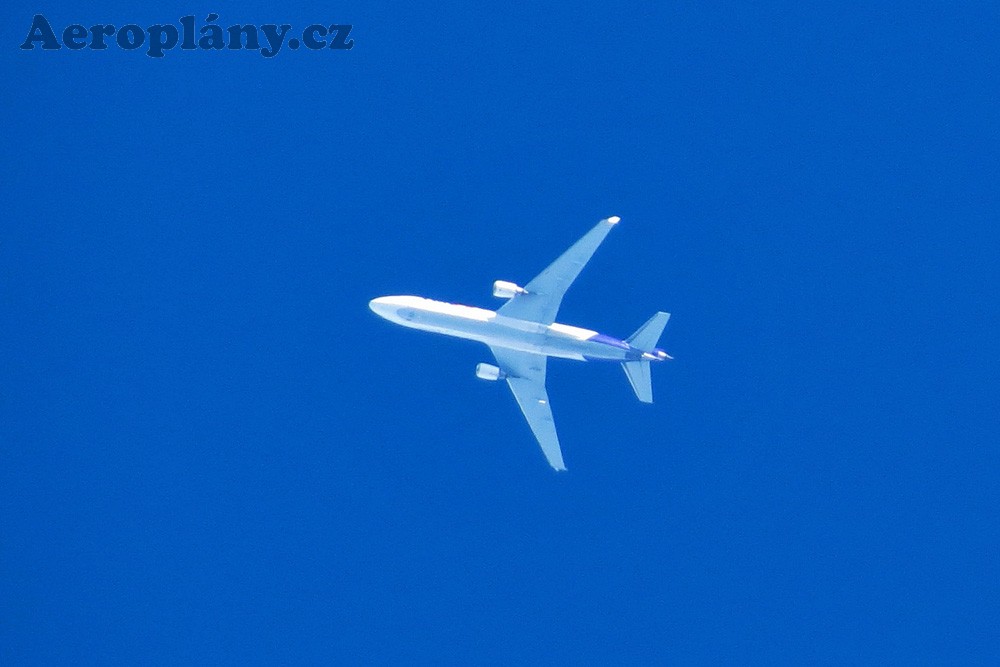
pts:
[489, 372]
[506, 290]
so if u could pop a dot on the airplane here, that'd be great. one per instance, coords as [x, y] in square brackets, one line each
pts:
[523, 334]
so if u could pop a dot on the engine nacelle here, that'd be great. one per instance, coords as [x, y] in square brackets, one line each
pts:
[489, 372]
[505, 290]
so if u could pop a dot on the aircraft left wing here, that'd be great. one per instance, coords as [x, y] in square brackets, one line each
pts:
[544, 293]
[526, 378]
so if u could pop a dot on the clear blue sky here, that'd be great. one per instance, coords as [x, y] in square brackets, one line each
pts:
[213, 452]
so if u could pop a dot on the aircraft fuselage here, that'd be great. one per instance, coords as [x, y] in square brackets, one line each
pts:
[486, 326]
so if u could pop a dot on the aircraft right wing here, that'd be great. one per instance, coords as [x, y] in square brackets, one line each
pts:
[544, 293]
[526, 378]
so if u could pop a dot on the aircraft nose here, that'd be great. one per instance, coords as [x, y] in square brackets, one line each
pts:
[381, 307]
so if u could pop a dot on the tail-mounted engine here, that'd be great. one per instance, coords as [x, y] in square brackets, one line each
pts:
[489, 372]
[505, 290]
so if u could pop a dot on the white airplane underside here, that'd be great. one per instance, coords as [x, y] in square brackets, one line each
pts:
[523, 333]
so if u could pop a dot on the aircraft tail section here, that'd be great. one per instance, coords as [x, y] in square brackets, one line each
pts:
[646, 337]
[639, 377]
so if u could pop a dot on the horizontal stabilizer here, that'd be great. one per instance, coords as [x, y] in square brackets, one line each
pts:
[639, 377]
[647, 336]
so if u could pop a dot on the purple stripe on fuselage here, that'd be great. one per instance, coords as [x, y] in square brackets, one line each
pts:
[609, 340]
[631, 354]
